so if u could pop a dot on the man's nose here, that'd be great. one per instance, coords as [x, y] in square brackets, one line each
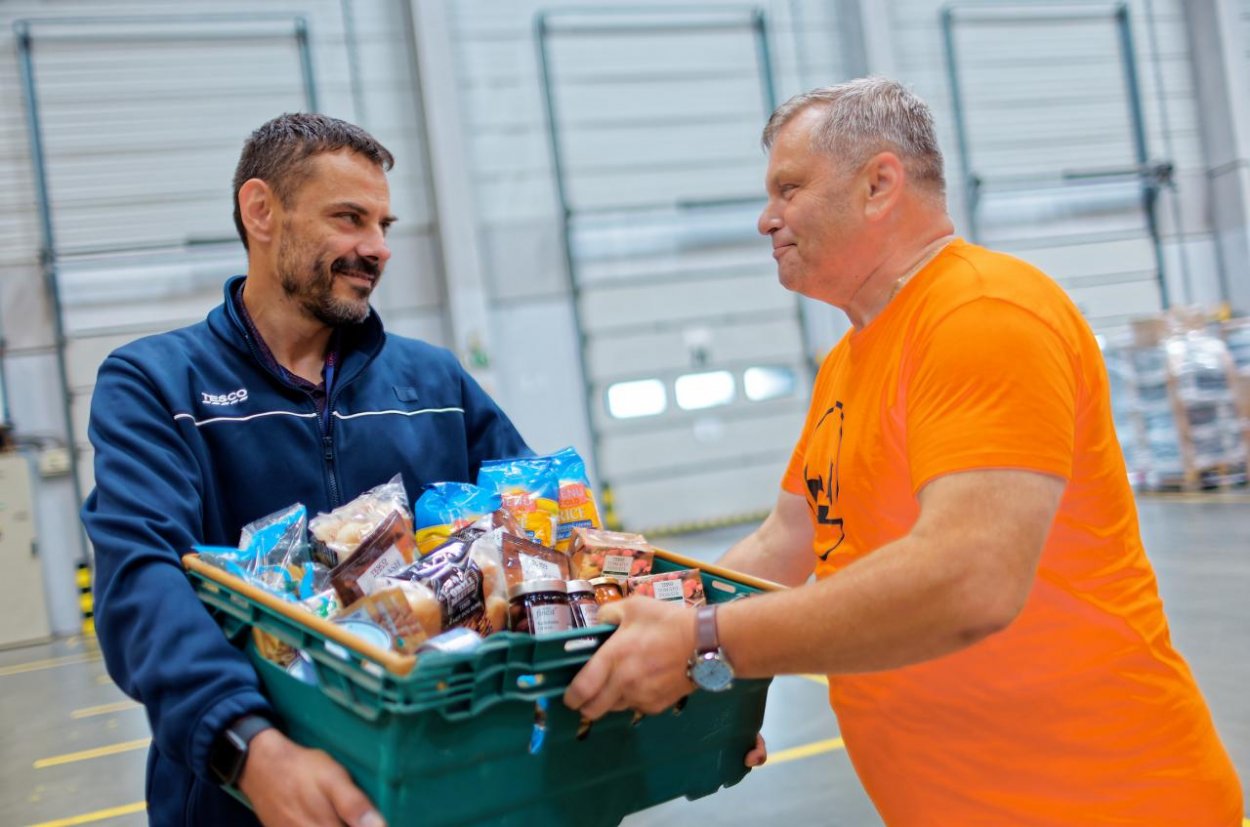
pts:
[768, 220]
[375, 249]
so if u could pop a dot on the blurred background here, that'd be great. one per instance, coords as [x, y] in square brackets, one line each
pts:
[577, 186]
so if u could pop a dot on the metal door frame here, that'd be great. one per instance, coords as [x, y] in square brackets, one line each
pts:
[49, 255]
[1152, 177]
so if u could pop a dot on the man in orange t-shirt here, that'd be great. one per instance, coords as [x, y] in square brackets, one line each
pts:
[996, 648]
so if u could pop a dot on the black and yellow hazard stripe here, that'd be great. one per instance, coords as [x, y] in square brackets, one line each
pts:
[86, 600]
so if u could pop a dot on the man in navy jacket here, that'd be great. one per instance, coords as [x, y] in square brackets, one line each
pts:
[288, 392]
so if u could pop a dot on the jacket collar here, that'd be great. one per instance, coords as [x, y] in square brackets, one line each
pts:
[358, 343]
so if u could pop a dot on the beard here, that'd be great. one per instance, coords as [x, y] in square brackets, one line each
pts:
[312, 285]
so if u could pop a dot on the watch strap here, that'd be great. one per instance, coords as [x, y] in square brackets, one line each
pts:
[249, 726]
[706, 638]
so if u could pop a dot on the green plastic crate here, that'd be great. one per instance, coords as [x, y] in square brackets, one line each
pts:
[450, 741]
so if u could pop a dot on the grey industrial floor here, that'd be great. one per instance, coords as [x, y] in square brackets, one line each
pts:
[73, 746]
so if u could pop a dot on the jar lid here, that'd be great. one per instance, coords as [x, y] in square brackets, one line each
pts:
[605, 581]
[580, 586]
[536, 587]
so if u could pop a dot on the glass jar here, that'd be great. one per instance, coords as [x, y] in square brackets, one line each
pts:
[607, 589]
[539, 607]
[582, 602]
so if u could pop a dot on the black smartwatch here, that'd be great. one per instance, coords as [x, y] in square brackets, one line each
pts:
[229, 752]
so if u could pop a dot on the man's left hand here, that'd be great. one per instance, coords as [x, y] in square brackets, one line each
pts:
[642, 666]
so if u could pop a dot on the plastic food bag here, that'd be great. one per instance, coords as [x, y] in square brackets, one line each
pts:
[526, 560]
[465, 579]
[529, 490]
[681, 586]
[600, 553]
[339, 533]
[387, 549]
[446, 507]
[273, 554]
[578, 508]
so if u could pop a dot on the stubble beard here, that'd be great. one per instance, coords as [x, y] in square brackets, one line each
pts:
[315, 291]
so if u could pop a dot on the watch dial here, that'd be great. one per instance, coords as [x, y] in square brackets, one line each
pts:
[712, 674]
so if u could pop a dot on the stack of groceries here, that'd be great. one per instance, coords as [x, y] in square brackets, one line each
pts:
[523, 550]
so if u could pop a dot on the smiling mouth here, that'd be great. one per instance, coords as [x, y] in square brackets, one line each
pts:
[780, 250]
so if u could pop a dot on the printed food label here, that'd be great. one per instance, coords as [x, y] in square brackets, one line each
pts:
[390, 562]
[536, 568]
[668, 590]
[550, 618]
[618, 564]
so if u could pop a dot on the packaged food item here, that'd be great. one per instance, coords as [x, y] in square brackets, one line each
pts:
[607, 590]
[273, 554]
[391, 610]
[338, 534]
[578, 508]
[271, 648]
[539, 607]
[446, 507]
[598, 553]
[387, 549]
[369, 632]
[685, 586]
[526, 560]
[582, 603]
[453, 640]
[464, 595]
[529, 490]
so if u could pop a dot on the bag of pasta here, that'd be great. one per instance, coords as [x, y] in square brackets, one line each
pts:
[529, 491]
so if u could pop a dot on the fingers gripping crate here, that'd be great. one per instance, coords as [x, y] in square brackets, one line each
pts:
[448, 740]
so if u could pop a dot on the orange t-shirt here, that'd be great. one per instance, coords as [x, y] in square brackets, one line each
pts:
[1080, 712]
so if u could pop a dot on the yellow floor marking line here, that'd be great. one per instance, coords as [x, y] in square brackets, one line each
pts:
[816, 679]
[98, 815]
[805, 751]
[98, 752]
[50, 663]
[104, 709]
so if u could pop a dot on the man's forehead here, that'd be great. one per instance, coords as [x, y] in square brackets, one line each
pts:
[328, 174]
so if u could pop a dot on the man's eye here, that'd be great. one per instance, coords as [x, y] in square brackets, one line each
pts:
[350, 216]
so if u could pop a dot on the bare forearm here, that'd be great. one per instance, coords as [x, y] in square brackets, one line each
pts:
[896, 607]
[775, 551]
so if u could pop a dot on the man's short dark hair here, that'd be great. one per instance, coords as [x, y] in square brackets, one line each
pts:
[279, 152]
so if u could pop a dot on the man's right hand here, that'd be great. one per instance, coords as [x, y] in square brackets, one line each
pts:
[290, 785]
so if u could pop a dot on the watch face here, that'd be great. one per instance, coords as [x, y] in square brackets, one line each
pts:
[712, 673]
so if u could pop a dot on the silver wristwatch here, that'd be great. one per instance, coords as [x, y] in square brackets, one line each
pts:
[709, 669]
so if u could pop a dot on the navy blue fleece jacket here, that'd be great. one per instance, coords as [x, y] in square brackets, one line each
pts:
[195, 437]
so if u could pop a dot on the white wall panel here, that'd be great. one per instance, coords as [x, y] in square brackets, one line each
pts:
[1048, 97]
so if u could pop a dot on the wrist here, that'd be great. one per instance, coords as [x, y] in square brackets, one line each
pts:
[231, 749]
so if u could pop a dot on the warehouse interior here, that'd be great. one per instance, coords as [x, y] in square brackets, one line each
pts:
[578, 188]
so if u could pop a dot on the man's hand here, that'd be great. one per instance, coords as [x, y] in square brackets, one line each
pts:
[758, 754]
[642, 666]
[290, 785]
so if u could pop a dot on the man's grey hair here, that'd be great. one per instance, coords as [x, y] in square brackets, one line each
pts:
[866, 116]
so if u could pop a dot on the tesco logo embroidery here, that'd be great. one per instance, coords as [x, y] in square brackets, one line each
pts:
[232, 398]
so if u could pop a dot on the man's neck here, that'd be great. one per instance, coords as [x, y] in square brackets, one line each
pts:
[902, 263]
[297, 342]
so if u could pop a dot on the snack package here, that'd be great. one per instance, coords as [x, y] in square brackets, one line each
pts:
[596, 552]
[446, 507]
[675, 586]
[338, 534]
[526, 560]
[387, 549]
[465, 578]
[576, 498]
[395, 611]
[529, 491]
[274, 555]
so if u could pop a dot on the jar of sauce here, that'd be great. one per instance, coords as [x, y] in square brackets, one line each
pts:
[539, 607]
[582, 602]
[607, 589]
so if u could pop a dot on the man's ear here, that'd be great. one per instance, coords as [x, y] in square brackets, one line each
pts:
[258, 206]
[885, 181]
